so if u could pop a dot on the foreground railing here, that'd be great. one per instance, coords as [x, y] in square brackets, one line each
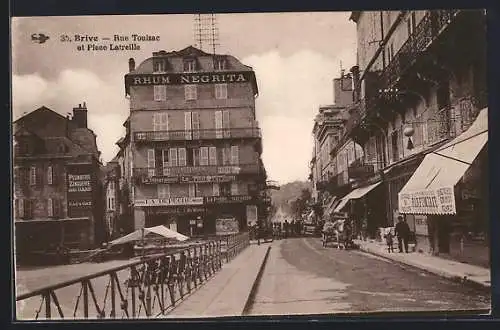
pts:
[141, 289]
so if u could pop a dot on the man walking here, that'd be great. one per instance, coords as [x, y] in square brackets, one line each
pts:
[403, 233]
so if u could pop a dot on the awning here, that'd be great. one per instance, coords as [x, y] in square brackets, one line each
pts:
[430, 190]
[158, 230]
[329, 207]
[355, 194]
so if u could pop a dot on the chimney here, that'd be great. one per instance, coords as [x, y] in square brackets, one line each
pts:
[131, 64]
[80, 116]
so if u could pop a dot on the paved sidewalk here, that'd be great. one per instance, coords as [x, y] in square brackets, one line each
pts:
[227, 293]
[433, 264]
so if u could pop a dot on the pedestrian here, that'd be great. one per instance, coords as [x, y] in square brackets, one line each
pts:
[285, 227]
[292, 228]
[389, 239]
[403, 233]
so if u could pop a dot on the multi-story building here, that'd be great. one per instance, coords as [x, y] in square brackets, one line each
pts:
[413, 95]
[57, 190]
[194, 145]
[327, 172]
[113, 207]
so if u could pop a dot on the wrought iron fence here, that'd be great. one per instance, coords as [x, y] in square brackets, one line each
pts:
[198, 134]
[141, 289]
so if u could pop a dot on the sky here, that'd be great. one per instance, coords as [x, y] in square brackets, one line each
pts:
[295, 57]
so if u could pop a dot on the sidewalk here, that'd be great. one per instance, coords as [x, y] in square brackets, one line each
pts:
[228, 292]
[454, 270]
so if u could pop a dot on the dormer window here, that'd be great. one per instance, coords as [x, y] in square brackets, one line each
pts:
[220, 64]
[189, 65]
[159, 66]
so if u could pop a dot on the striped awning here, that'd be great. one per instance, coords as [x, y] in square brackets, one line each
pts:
[430, 190]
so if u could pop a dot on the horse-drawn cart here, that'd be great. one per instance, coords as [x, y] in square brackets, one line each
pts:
[337, 230]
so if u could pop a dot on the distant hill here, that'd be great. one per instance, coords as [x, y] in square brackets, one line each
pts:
[287, 193]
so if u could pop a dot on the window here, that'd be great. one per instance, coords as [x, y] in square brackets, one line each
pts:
[221, 91]
[173, 157]
[395, 146]
[234, 189]
[222, 124]
[50, 175]
[204, 156]
[190, 92]
[53, 208]
[215, 189]
[163, 191]
[192, 190]
[164, 161]
[220, 64]
[24, 208]
[188, 125]
[226, 156]
[20, 208]
[189, 66]
[235, 155]
[195, 124]
[159, 66]
[32, 175]
[224, 189]
[151, 162]
[213, 156]
[181, 152]
[160, 122]
[160, 92]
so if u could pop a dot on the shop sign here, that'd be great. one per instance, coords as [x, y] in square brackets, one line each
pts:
[170, 201]
[177, 210]
[189, 78]
[227, 199]
[208, 178]
[421, 225]
[224, 226]
[432, 201]
[228, 170]
[159, 179]
[79, 188]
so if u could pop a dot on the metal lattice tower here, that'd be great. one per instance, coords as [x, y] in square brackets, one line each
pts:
[206, 32]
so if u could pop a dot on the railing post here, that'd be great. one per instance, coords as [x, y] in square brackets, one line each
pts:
[113, 299]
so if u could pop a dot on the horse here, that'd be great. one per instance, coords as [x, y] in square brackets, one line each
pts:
[341, 232]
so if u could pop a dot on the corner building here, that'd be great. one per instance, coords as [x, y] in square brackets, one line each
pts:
[195, 143]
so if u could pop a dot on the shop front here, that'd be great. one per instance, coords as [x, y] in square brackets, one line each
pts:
[365, 207]
[187, 220]
[448, 196]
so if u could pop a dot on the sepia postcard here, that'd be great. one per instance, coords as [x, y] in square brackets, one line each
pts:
[254, 164]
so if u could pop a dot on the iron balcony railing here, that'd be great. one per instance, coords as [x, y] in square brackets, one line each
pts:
[146, 288]
[200, 134]
[428, 29]
[174, 171]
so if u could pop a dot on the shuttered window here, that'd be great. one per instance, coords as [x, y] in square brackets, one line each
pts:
[160, 92]
[195, 122]
[204, 156]
[173, 157]
[226, 123]
[188, 125]
[50, 175]
[165, 164]
[160, 122]
[235, 155]
[213, 156]
[218, 124]
[182, 156]
[190, 92]
[221, 91]
[151, 162]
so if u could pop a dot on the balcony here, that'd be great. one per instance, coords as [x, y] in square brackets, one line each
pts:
[429, 28]
[201, 134]
[176, 173]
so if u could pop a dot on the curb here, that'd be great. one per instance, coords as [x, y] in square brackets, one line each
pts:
[453, 277]
[255, 285]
